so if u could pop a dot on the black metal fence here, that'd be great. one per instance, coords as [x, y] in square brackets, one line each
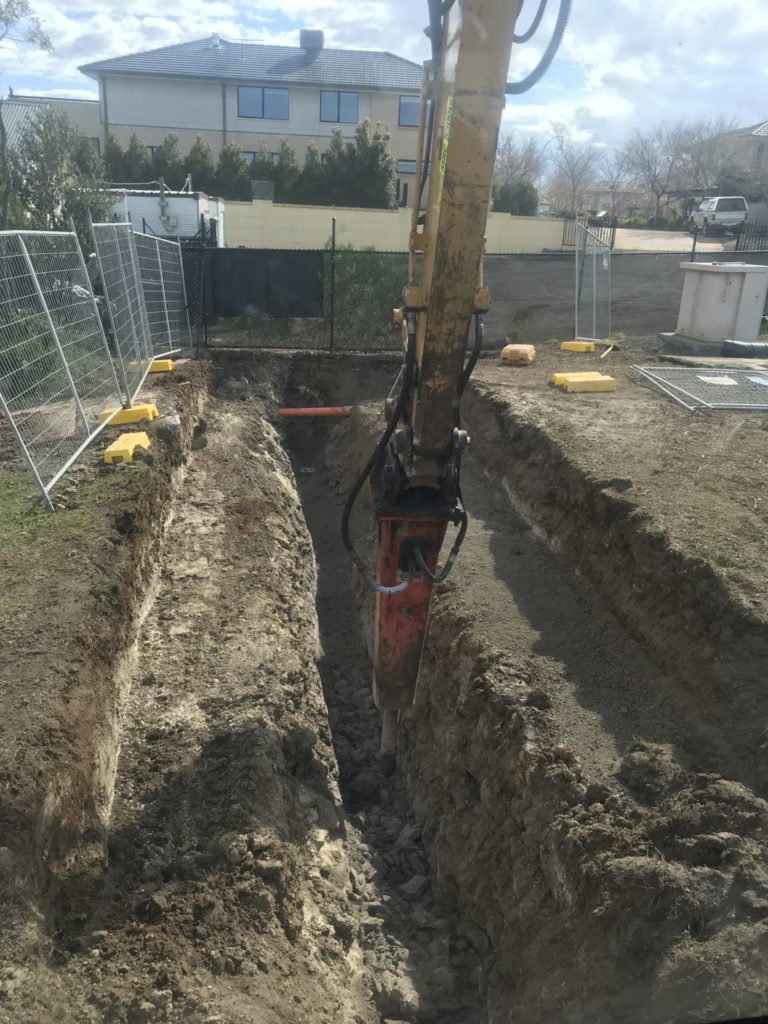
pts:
[750, 237]
[603, 228]
[343, 301]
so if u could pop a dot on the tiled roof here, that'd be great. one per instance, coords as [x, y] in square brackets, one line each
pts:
[15, 116]
[216, 58]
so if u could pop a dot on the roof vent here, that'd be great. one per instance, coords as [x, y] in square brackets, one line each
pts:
[215, 42]
[311, 39]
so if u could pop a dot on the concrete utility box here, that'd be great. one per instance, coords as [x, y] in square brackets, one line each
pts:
[722, 301]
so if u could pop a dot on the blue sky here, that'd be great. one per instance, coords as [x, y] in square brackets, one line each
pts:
[623, 63]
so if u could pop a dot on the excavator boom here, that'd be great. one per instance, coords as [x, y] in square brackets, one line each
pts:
[415, 470]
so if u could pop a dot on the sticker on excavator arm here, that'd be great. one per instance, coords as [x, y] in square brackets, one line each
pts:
[446, 135]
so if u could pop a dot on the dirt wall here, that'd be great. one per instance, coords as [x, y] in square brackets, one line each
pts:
[634, 898]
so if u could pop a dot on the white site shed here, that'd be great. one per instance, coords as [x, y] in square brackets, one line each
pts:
[170, 214]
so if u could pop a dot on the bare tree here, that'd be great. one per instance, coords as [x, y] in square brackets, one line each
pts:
[706, 152]
[656, 159]
[575, 167]
[517, 159]
[18, 24]
[616, 178]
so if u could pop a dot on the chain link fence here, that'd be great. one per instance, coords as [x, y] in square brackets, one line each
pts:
[532, 297]
[118, 264]
[56, 370]
[162, 278]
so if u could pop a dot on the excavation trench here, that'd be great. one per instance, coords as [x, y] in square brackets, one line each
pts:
[569, 831]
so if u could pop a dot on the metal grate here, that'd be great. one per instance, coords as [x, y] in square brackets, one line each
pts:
[56, 370]
[696, 387]
[120, 275]
[174, 290]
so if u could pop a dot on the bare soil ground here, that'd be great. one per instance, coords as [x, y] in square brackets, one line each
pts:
[196, 823]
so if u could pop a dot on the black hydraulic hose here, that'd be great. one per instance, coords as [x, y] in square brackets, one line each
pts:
[378, 453]
[427, 150]
[516, 88]
[466, 373]
[525, 36]
[441, 576]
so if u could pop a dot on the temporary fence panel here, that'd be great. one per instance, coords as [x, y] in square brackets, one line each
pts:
[119, 268]
[56, 370]
[162, 279]
[592, 303]
[696, 387]
[174, 293]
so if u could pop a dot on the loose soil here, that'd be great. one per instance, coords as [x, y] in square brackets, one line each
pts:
[197, 823]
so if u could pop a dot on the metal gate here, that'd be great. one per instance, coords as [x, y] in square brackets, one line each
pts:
[592, 305]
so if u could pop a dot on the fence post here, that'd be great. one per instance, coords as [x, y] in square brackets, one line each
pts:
[128, 400]
[333, 284]
[95, 306]
[25, 451]
[693, 246]
[54, 334]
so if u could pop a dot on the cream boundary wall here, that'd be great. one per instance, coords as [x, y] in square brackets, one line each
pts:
[263, 225]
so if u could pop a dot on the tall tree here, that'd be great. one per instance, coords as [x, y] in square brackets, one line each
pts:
[655, 158]
[616, 178]
[114, 160]
[18, 24]
[137, 167]
[232, 178]
[309, 184]
[59, 173]
[168, 162]
[575, 166]
[518, 159]
[198, 163]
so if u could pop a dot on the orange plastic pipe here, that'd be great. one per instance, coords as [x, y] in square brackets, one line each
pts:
[321, 410]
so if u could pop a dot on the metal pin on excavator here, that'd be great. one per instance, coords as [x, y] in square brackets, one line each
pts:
[415, 469]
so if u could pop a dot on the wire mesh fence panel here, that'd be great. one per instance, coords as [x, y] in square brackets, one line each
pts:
[592, 286]
[718, 388]
[531, 297]
[119, 268]
[174, 295]
[154, 298]
[56, 371]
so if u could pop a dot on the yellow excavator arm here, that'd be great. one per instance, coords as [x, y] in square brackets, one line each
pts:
[415, 469]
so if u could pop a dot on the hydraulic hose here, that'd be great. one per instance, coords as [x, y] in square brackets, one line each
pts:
[525, 36]
[516, 88]
[378, 453]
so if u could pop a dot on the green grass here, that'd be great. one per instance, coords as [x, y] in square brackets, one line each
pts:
[40, 549]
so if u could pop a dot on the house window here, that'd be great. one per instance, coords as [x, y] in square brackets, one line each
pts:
[269, 104]
[340, 107]
[409, 111]
[402, 193]
[96, 143]
[408, 167]
[249, 156]
[151, 150]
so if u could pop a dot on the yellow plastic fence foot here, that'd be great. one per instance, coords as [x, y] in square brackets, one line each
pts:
[134, 414]
[577, 346]
[603, 384]
[560, 379]
[123, 448]
[161, 366]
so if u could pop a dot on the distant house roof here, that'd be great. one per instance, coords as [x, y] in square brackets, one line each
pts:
[216, 58]
[760, 129]
[15, 116]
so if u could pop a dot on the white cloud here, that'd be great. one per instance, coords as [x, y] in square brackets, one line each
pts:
[622, 64]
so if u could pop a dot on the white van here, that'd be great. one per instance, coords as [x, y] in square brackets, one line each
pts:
[724, 213]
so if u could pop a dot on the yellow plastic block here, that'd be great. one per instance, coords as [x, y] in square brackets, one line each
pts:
[123, 448]
[135, 414]
[560, 378]
[603, 384]
[161, 366]
[577, 346]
